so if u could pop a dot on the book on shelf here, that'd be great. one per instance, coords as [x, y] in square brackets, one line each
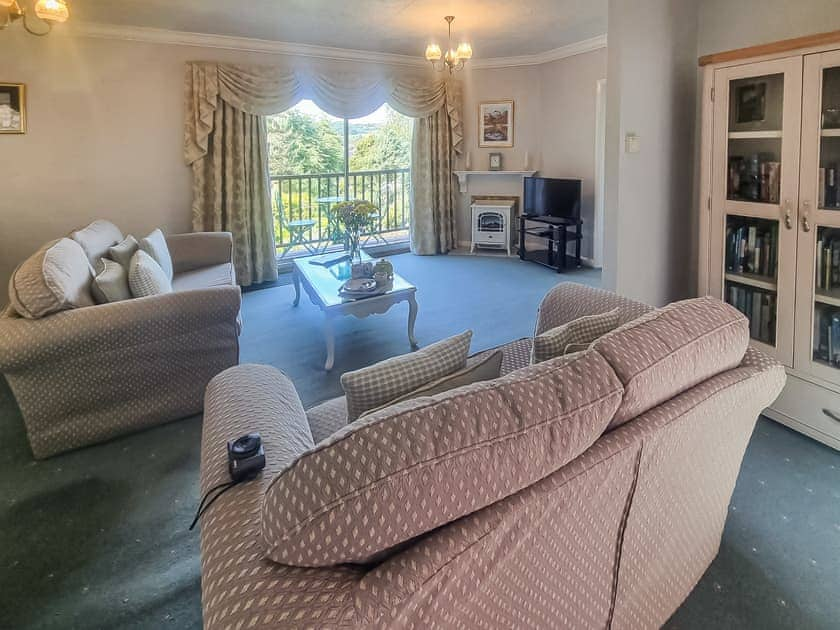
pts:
[751, 249]
[827, 335]
[828, 263]
[760, 308]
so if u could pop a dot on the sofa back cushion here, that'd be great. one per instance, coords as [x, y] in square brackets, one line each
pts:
[96, 239]
[669, 350]
[55, 278]
[416, 465]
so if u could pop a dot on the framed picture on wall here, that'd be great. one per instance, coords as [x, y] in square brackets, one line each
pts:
[12, 108]
[495, 124]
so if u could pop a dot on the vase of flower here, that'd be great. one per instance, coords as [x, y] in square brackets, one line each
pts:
[354, 217]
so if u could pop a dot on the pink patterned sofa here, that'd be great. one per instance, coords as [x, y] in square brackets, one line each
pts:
[588, 491]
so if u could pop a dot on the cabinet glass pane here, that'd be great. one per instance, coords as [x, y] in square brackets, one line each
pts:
[752, 251]
[829, 186]
[755, 138]
[827, 297]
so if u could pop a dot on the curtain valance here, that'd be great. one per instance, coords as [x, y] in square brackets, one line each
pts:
[263, 91]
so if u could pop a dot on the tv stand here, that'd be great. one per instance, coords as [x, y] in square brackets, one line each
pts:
[555, 233]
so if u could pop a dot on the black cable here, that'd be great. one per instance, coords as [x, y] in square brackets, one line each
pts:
[202, 508]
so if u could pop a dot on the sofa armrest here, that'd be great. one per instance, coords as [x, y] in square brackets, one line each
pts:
[116, 326]
[569, 301]
[199, 249]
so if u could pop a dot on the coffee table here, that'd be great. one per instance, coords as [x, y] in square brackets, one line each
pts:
[322, 285]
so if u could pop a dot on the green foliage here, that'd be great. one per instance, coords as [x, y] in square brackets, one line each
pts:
[300, 145]
[386, 147]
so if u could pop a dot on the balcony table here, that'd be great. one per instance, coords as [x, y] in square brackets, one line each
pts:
[323, 283]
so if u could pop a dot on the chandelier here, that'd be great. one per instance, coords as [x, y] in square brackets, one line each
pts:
[454, 58]
[50, 11]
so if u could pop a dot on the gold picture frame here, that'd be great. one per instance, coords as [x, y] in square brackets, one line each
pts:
[12, 108]
[496, 124]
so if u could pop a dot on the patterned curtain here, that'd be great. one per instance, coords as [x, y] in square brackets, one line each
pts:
[231, 192]
[433, 193]
[225, 144]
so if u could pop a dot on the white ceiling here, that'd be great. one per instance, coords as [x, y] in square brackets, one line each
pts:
[496, 28]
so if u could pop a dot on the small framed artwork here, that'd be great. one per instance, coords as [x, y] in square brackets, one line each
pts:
[752, 103]
[495, 161]
[12, 108]
[495, 124]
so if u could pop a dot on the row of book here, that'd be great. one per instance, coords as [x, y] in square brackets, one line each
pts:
[828, 262]
[754, 178]
[759, 307]
[827, 335]
[829, 188]
[752, 249]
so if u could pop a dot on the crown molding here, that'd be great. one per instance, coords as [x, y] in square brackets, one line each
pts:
[246, 44]
[249, 44]
[570, 50]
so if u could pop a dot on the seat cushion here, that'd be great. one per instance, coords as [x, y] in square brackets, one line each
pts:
[378, 384]
[96, 238]
[55, 278]
[669, 350]
[416, 465]
[215, 276]
[327, 418]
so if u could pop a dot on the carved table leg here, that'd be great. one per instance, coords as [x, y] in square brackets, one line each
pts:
[329, 338]
[412, 317]
[296, 280]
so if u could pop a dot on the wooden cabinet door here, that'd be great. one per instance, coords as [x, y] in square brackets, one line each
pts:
[818, 229]
[754, 196]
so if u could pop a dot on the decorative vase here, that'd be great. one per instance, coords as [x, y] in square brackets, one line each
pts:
[354, 248]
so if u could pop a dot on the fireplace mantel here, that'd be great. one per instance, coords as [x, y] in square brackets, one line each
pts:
[463, 176]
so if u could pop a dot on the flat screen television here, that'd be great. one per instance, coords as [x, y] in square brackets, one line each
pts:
[547, 197]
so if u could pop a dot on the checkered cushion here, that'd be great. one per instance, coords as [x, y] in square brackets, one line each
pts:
[374, 386]
[146, 277]
[573, 336]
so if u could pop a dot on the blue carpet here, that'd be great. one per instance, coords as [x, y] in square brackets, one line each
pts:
[98, 538]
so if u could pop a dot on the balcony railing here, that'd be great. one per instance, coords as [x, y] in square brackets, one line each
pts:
[302, 207]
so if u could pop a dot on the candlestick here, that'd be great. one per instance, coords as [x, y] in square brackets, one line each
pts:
[467, 161]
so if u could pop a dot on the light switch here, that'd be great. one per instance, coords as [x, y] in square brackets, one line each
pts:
[631, 143]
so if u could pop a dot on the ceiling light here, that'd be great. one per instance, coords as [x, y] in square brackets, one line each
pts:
[49, 11]
[454, 58]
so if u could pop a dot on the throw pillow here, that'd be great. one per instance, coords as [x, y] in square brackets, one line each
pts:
[55, 278]
[96, 238]
[481, 367]
[373, 386]
[123, 251]
[570, 336]
[110, 283]
[145, 276]
[155, 246]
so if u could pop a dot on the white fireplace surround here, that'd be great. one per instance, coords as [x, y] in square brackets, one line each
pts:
[464, 176]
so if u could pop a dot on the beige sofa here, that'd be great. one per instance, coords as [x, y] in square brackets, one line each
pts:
[84, 375]
[589, 491]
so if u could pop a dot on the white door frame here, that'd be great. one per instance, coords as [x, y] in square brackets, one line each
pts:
[600, 161]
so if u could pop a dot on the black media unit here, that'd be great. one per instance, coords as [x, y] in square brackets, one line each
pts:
[555, 233]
